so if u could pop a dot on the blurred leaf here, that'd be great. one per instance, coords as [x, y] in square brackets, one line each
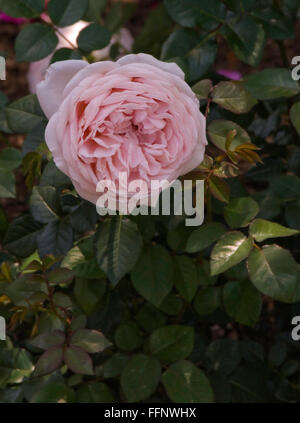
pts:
[275, 273]
[127, 337]
[34, 139]
[223, 355]
[92, 341]
[242, 302]
[7, 184]
[44, 204]
[22, 8]
[140, 377]
[65, 54]
[185, 383]
[202, 88]
[153, 274]
[114, 366]
[295, 116]
[66, 12]
[48, 340]
[240, 211]
[218, 131]
[232, 248]
[21, 236]
[53, 393]
[262, 229]
[192, 13]
[78, 360]
[204, 236]
[49, 361]
[186, 277]
[233, 96]
[24, 114]
[271, 83]
[93, 37]
[94, 392]
[247, 39]
[60, 276]
[207, 300]
[118, 244]
[35, 42]
[219, 189]
[56, 238]
[172, 343]
[154, 31]
[10, 159]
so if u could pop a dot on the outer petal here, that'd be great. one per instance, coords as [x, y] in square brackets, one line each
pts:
[50, 91]
[150, 60]
[92, 69]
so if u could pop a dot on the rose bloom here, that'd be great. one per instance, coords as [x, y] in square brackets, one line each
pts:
[136, 115]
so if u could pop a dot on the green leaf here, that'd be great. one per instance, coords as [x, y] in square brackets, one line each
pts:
[207, 300]
[92, 341]
[204, 236]
[153, 274]
[223, 355]
[219, 189]
[202, 88]
[271, 83]
[295, 116]
[275, 273]
[56, 238]
[240, 211]
[192, 13]
[44, 204]
[78, 360]
[199, 60]
[247, 39]
[50, 361]
[153, 33]
[185, 383]
[53, 393]
[60, 276]
[218, 131]
[286, 187]
[140, 377]
[93, 37]
[87, 295]
[35, 42]
[186, 277]
[48, 340]
[21, 236]
[233, 96]
[118, 244]
[242, 302]
[262, 229]
[172, 343]
[150, 318]
[22, 8]
[127, 337]
[94, 392]
[7, 184]
[114, 366]
[230, 250]
[66, 12]
[10, 159]
[65, 54]
[24, 114]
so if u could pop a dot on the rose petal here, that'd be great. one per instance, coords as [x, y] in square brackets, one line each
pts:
[50, 91]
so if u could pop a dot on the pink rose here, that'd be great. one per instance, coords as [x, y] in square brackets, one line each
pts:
[136, 115]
